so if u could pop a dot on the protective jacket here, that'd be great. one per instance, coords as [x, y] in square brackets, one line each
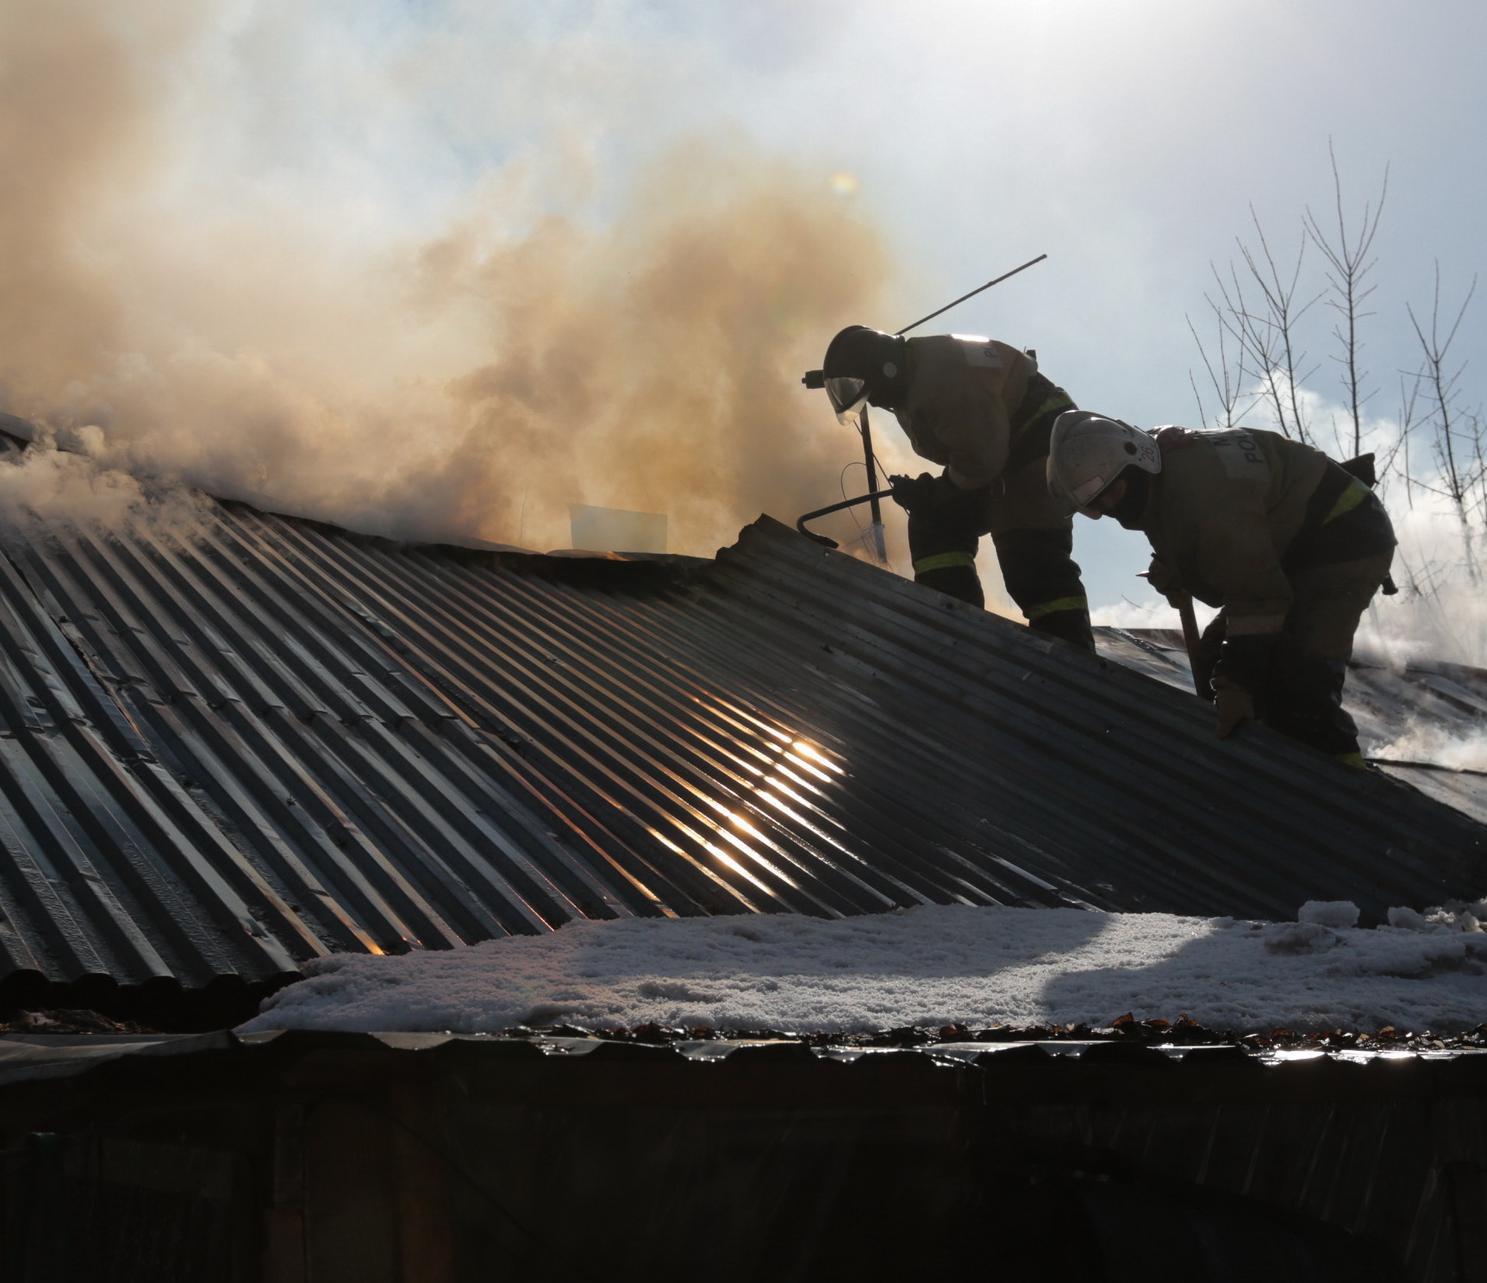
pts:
[1234, 514]
[980, 408]
[1293, 547]
[977, 406]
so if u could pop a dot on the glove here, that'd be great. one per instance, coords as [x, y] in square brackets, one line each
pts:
[1163, 578]
[913, 492]
[1235, 706]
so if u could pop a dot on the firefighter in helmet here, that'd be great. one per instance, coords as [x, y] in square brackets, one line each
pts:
[980, 409]
[1291, 546]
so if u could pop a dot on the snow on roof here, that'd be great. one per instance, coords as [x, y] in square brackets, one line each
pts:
[931, 966]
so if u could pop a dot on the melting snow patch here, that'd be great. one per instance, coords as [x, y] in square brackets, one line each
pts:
[1329, 913]
[1448, 917]
[928, 966]
[1408, 953]
[1300, 937]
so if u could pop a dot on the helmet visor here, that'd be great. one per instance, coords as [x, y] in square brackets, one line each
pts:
[1086, 497]
[847, 397]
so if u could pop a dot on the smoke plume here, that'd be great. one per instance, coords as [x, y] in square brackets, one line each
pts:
[214, 297]
[1440, 612]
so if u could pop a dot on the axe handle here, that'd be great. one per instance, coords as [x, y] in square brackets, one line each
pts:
[1190, 639]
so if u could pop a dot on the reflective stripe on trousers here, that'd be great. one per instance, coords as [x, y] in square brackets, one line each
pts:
[1038, 610]
[943, 561]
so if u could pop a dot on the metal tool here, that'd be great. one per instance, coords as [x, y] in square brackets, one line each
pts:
[1004, 276]
[1192, 640]
[873, 496]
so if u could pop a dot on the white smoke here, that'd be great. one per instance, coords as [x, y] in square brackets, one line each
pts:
[49, 487]
[393, 281]
[1440, 612]
[1425, 742]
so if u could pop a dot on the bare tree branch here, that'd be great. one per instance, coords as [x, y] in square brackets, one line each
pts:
[1349, 265]
[1226, 381]
[1284, 315]
[1442, 383]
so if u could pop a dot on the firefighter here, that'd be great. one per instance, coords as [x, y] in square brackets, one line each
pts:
[1289, 544]
[981, 409]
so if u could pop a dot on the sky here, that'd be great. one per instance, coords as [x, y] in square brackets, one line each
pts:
[440, 269]
[933, 965]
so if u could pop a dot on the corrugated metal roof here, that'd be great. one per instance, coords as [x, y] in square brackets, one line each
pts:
[227, 756]
[1420, 704]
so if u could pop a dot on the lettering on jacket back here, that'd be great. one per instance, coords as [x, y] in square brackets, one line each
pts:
[1239, 455]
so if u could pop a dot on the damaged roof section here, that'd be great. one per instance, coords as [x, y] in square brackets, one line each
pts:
[226, 756]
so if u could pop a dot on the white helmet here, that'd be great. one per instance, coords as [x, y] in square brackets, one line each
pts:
[1087, 453]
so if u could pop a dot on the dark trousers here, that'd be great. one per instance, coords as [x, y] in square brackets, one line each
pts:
[1301, 693]
[1037, 565]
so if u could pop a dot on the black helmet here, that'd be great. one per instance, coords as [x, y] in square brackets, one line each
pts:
[862, 365]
